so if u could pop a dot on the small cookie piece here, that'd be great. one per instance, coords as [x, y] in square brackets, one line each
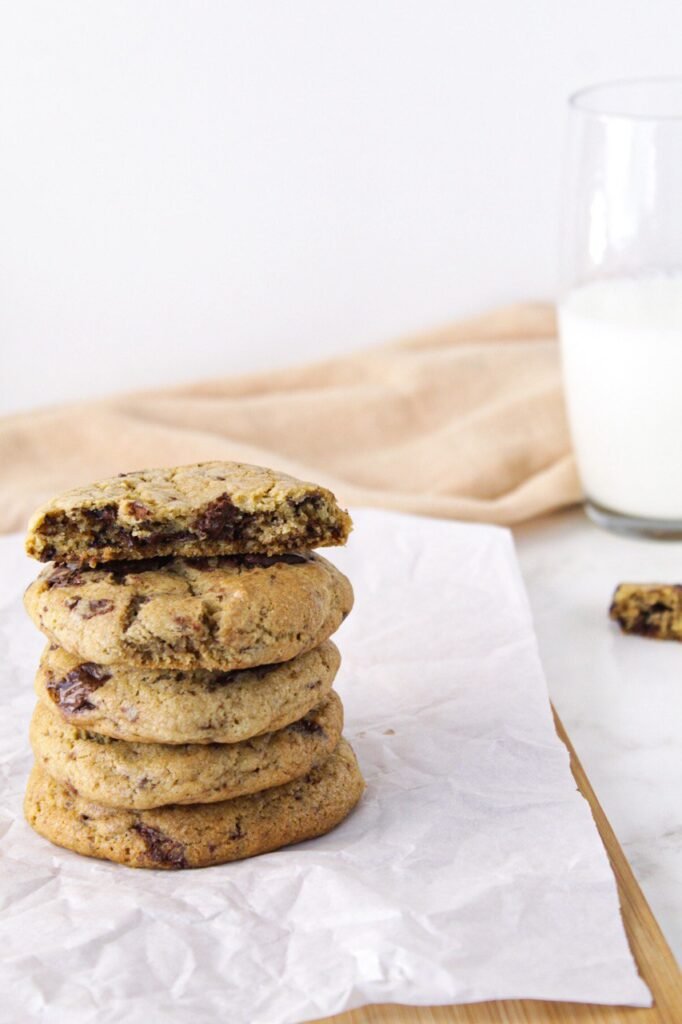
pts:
[213, 508]
[200, 834]
[215, 613]
[649, 609]
[143, 775]
[169, 706]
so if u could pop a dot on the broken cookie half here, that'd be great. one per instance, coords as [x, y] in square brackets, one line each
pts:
[649, 609]
[211, 508]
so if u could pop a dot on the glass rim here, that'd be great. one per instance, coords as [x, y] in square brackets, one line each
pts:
[579, 100]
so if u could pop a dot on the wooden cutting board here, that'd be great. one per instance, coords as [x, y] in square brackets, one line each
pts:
[654, 958]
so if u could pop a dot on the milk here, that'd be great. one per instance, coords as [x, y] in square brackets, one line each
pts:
[621, 342]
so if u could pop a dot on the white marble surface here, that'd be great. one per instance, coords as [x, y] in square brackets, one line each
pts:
[619, 697]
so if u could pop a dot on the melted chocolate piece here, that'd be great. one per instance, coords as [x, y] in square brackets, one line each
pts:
[263, 561]
[106, 515]
[138, 510]
[73, 692]
[52, 524]
[648, 621]
[161, 848]
[120, 569]
[220, 520]
[66, 575]
[237, 832]
[93, 608]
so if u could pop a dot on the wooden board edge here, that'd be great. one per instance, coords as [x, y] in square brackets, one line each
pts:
[653, 956]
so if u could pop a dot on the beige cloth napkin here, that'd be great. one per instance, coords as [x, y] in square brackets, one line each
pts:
[466, 422]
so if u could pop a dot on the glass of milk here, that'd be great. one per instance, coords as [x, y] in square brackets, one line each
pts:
[620, 311]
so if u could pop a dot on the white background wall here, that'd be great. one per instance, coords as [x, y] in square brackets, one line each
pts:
[198, 187]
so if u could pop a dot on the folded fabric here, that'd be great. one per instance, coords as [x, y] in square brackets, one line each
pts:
[467, 422]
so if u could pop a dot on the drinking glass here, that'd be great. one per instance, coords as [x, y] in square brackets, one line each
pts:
[620, 308]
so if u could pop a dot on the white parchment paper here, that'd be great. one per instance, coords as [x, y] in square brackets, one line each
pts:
[471, 870]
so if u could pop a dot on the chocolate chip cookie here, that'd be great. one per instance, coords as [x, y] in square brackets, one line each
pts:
[213, 508]
[143, 775]
[649, 609]
[219, 613]
[200, 834]
[170, 706]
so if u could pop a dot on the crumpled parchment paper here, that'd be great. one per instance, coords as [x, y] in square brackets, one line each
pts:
[471, 870]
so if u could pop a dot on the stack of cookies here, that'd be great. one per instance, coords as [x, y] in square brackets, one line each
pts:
[185, 713]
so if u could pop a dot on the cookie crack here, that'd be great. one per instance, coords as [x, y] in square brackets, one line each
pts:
[209, 618]
[133, 610]
[185, 573]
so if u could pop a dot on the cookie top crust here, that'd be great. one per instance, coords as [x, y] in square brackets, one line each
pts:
[216, 613]
[169, 706]
[144, 775]
[210, 508]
